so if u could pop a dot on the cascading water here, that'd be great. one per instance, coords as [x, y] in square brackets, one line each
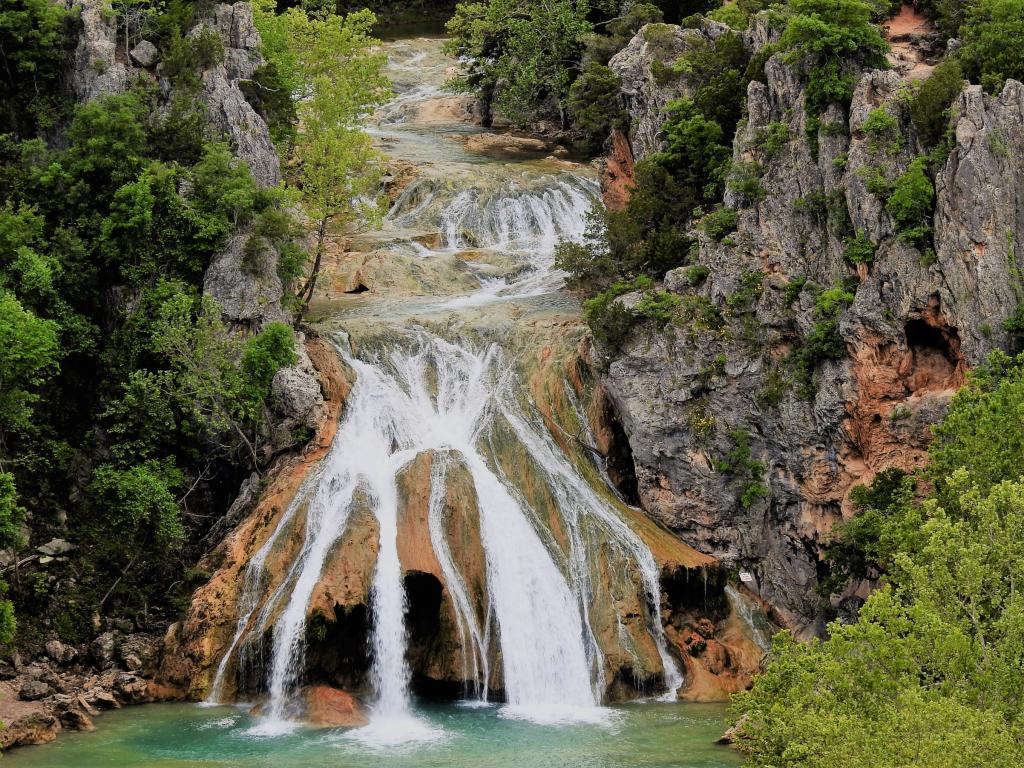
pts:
[525, 623]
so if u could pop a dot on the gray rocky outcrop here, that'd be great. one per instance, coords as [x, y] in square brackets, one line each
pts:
[226, 105]
[918, 321]
[646, 89]
[295, 392]
[95, 68]
[244, 281]
[144, 54]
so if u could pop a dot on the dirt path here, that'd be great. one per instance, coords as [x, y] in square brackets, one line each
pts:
[915, 43]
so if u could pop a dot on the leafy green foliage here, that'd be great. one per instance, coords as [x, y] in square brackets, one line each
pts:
[595, 106]
[859, 249]
[856, 549]
[992, 35]
[748, 472]
[332, 64]
[883, 131]
[823, 342]
[140, 504]
[911, 203]
[100, 233]
[28, 353]
[34, 46]
[831, 40]
[981, 432]
[524, 53]
[719, 223]
[611, 320]
[929, 107]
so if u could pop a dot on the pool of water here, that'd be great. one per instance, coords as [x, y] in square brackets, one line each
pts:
[183, 735]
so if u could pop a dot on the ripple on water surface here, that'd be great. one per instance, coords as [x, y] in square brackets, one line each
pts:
[186, 736]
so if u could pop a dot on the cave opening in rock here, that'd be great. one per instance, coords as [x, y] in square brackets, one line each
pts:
[619, 460]
[428, 649]
[423, 612]
[360, 288]
[695, 591]
[935, 355]
[337, 652]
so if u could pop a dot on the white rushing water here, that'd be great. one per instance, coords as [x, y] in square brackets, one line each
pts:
[418, 391]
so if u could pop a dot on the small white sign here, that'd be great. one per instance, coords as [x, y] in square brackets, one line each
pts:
[746, 577]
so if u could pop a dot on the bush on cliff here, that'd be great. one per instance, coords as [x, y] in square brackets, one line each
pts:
[523, 56]
[832, 40]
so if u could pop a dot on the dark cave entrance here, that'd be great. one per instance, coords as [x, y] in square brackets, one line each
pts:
[619, 460]
[934, 356]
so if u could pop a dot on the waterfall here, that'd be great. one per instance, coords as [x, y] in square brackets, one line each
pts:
[526, 616]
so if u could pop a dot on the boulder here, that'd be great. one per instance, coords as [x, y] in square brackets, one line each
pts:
[55, 547]
[246, 287]
[295, 391]
[333, 707]
[33, 690]
[104, 648]
[60, 652]
[144, 54]
[139, 651]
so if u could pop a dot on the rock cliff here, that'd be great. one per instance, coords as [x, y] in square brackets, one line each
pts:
[697, 396]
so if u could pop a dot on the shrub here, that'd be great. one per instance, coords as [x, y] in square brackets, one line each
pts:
[594, 105]
[823, 342]
[793, 290]
[882, 130]
[745, 181]
[859, 249]
[771, 139]
[739, 463]
[719, 223]
[911, 201]
[929, 107]
[730, 14]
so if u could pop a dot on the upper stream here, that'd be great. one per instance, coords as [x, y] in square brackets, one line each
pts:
[460, 538]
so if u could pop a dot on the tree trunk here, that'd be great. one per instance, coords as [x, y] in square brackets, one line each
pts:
[306, 294]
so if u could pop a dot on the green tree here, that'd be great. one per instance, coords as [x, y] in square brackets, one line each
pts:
[34, 44]
[524, 54]
[992, 36]
[332, 63]
[595, 106]
[140, 504]
[29, 352]
[911, 202]
[932, 99]
[11, 518]
[832, 39]
[222, 380]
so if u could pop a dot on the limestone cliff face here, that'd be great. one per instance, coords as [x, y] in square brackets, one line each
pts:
[916, 323]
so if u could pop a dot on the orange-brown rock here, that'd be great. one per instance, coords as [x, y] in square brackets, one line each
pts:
[617, 172]
[332, 707]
